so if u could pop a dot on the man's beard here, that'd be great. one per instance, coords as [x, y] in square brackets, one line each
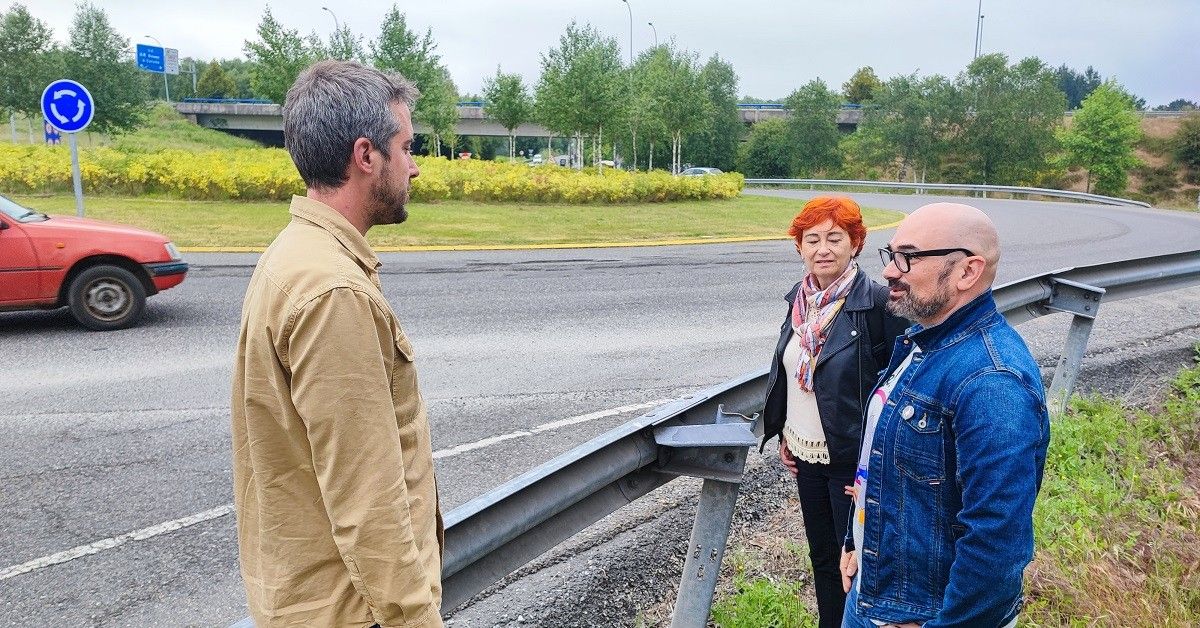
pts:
[915, 308]
[389, 202]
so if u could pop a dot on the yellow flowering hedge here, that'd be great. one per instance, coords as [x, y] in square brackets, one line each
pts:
[268, 174]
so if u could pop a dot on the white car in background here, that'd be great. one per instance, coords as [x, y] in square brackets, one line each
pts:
[699, 172]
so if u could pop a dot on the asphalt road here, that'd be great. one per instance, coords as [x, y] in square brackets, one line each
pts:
[105, 434]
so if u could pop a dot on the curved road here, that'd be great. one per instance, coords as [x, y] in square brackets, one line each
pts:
[107, 434]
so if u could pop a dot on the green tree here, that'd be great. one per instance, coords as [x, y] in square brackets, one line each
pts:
[399, 49]
[715, 144]
[439, 109]
[1186, 144]
[345, 46]
[671, 97]
[99, 58]
[277, 57]
[1102, 137]
[1014, 112]
[813, 127]
[29, 60]
[215, 83]
[1179, 104]
[507, 101]
[1076, 85]
[911, 124]
[583, 87]
[768, 153]
[650, 126]
[862, 86]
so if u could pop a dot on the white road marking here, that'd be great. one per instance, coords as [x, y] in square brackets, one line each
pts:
[220, 511]
[115, 541]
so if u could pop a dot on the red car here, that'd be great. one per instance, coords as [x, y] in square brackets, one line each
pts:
[102, 271]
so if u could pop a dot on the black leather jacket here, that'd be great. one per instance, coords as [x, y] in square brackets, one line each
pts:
[847, 368]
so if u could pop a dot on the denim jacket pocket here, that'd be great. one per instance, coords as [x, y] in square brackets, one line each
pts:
[919, 440]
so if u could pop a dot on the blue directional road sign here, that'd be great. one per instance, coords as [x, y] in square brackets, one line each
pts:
[151, 58]
[68, 106]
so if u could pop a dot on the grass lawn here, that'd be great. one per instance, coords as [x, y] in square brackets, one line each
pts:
[458, 223]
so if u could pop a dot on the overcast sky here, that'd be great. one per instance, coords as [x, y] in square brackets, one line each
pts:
[1151, 46]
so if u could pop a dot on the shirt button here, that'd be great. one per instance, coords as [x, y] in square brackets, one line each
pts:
[853, 333]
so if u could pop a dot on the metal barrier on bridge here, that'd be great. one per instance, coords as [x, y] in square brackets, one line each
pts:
[498, 532]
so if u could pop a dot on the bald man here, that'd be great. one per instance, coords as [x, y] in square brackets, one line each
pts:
[954, 441]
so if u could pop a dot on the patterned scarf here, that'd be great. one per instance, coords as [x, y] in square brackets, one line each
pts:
[828, 303]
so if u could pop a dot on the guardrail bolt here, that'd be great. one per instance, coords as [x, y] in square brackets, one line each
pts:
[713, 555]
[697, 554]
[700, 573]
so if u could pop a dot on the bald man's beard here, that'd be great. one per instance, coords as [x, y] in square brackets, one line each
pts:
[914, 308]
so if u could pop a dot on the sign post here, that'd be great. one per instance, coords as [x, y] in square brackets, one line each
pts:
[69, 108]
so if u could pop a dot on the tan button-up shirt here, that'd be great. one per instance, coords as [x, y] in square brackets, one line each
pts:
[337, 514]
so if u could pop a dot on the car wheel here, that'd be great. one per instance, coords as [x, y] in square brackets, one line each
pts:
[105, 298]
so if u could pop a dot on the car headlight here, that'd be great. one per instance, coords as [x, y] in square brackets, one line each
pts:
[172, 251]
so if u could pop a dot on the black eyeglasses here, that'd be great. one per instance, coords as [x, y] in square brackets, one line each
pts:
[903, 259]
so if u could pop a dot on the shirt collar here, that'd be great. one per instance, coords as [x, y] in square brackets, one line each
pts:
[327, 218]
[960, 323]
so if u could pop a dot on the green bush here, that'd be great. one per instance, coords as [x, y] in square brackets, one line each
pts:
[763, 603]
[268, 174]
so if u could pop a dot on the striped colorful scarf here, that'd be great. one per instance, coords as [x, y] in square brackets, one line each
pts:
[828, 303]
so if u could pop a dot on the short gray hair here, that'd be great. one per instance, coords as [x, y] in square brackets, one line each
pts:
[330, 106]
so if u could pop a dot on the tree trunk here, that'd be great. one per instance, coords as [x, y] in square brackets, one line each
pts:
[512, 145]
[1088, 187]
[12, 126]
[635, 150]
[651, 166]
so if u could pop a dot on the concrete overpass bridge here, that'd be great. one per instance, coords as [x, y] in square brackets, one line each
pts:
[263, 121]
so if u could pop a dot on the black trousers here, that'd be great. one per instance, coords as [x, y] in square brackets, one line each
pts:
[825, 507]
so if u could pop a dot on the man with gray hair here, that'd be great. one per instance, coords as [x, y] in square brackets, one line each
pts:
[337, 510]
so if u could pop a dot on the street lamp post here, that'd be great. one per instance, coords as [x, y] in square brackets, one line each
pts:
[166, 88]
[655, 31]
[978, 28]
[630, 9]
[633, 120]
[337, 26]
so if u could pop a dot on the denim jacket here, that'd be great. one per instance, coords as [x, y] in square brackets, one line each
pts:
[954, 470]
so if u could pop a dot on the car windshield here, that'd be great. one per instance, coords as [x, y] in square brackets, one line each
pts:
[11, 209]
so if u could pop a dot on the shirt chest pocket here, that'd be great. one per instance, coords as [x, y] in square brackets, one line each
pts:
[405, 395]
[920, 440]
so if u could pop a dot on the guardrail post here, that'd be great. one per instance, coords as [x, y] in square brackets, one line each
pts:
[1083, 301]
[716, 453]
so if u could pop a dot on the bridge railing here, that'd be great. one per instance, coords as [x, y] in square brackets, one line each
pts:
[496, 533]
[922, 188]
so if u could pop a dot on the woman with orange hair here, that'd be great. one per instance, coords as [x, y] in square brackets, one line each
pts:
[835, 339]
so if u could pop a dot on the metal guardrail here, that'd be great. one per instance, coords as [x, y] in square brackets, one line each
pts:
[958, 187]
[498, 532]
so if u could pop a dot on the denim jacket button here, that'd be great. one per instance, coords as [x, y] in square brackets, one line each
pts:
[921, 424]
[907, 412]
[853, 333]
